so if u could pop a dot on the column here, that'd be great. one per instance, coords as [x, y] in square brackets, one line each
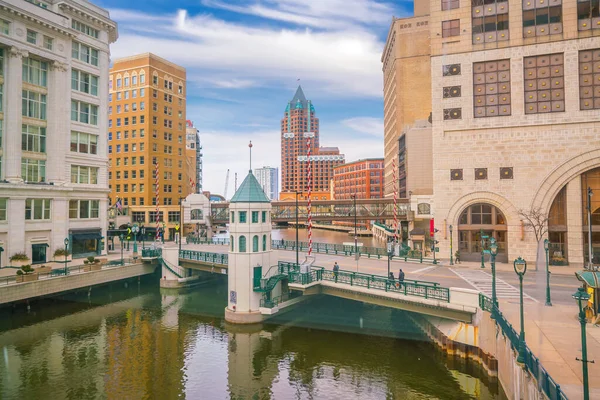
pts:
[574, 222]
[16, 227]
[58, 135]
[12, 116]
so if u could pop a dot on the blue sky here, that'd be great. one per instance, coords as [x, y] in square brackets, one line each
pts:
[244, 59]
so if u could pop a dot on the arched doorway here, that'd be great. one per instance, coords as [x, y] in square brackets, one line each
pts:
[591, 179]
[477, 220]
[557, 230]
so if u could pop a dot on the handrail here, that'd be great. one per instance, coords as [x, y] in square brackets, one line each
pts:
[216, 258]
[545, 383]
[175, 270]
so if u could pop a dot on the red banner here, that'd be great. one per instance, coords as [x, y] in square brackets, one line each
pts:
[431, 227]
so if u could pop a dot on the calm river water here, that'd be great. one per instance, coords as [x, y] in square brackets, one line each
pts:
[325, 236]
[134, 341]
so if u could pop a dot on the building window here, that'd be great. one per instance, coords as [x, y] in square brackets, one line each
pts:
[255, 217]
[506, 173]
[232, 219]
[35, 72]
[456, 174]
[544, 84]
[589, 79]
[84, 143]
[264, 217]
[452, 113]
[48, 43]
[84, 175]
[37, 209]
[84, 209]
[33, 170]
[3, 203]
[34, 105]
[490, 21]
[480, 174]
[491, 88]
[475, 223]
[31, 36]
[84, 53]
[173, 216]
[588, 14]
[84, 82]
[83, 28]
[541, 19]
[85, 113]
[452, 91]
[451, 70]
[33, 138]
[242, 244]
[4, 26]
[450, 4]
[155, 216]
[451, 28]
[255, 244]
[264, 243]
[242, 217]
[423, 209]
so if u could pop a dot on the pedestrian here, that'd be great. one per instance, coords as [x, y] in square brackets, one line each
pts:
[401, 277]
[336, 269]
[391, 276]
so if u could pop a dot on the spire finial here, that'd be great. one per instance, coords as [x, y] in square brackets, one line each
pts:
[250, 147]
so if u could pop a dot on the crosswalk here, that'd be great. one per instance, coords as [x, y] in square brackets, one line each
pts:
[482, 281]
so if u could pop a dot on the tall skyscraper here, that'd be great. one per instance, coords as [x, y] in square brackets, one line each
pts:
[147, 133]
[192, 135]
[269, 180]
[298, 124]
[54, 59]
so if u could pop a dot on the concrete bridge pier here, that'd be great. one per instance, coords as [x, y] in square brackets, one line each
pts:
[171, 273]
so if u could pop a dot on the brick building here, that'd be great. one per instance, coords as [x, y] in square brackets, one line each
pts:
[509, 134]
[147, 126]
[363, 178]
[298, 124]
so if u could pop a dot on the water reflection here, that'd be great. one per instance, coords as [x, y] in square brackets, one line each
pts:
[324, 236]
[167, 345]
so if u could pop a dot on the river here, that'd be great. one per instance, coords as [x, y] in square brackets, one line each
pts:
[135, 341]
[325, 236]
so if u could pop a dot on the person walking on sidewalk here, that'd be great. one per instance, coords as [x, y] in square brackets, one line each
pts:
[336, 269]
[401, 277]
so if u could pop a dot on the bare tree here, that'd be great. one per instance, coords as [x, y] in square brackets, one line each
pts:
[536, 220]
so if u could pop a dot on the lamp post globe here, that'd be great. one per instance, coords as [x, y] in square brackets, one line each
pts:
[582, 297]
[121, 237]
[135, 229]
[493, 253]
[520, 266]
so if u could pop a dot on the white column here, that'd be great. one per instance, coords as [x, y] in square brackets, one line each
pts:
[58, 136]
[16, 227]
[574, 221]
[12, 115]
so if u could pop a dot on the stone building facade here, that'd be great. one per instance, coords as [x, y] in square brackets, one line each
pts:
[54, 60]
[516, 126]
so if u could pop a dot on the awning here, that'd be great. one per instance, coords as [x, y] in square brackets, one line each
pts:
[87, 236]
[590, 278]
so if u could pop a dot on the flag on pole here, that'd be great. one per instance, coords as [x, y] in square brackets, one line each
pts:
[119, 205]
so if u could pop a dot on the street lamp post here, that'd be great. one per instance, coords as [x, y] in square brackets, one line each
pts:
[493, 253]
[390, 254]
[581, 296]
[122, 237]
[435, 242]
[589, 210]
[180, 223]
[451, 254]
[547, 249]
[520, 267]
[135, 229]
[1, 251]
[297, 253]
[482, 245]
[164, 226]
[66, 242]
[143, 232]
[356, 255]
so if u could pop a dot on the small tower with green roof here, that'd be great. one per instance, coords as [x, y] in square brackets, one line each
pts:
[249, 251]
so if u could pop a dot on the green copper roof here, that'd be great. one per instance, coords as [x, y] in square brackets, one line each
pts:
[250, 192]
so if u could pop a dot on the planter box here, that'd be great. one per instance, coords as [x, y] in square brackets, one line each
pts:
[43, 270]
[27, 278]
[87, 268]
[18, 263]
[96, 267]
[61, 259]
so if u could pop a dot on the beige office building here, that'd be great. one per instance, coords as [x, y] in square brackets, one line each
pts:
[515, 94]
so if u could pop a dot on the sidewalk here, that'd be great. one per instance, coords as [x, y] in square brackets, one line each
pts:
[508, 267]
[554, 336]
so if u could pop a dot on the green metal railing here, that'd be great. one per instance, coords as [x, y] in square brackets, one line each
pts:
[192, 239]
[384, 226]
[175, 269]
[215, 258]
[328, 248]
[273, 302]
[151, 253]
[545, 383]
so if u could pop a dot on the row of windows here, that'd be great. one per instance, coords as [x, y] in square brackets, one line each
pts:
[126, 175]
[34, 37]
[243, 214]
[126, 162]
[134, 134]
[481, 173]
[125, 107]
[242, 243]
[126, 187]
[125, 121]
[84, 175]
[134, 200]
[125, 94]
[84, 112]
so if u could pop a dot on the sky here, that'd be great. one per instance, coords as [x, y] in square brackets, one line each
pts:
[244, 60]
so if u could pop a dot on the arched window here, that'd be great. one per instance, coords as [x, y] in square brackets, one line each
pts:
[264, 242]
[255, 244]
[477, 219]
[196, 213]
[231, 241]
[242, 244]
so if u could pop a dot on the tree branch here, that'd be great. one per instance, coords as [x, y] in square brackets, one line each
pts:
[536, 220]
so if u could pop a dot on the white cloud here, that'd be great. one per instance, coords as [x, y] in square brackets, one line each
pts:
[341, 62]
[369, 125]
